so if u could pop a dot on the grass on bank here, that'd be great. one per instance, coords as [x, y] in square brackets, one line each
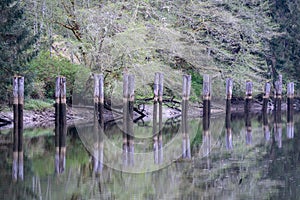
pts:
[37, 104]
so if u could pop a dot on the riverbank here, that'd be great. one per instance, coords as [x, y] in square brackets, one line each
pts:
[45, 117]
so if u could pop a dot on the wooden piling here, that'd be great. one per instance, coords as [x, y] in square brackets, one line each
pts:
[267, 91]
[155, 100]
[57, 111]
[20, 112]
[248, 97]
[290, 101]
[186, 87]
[63, 115]
[96, 101]
[15, 113]
[229, 87]
[248, 104]
[160, 100]
[60, 123]
[277, 116]
[101, 102]
[125, 111]
[20, 127]
[154, 129]
[18, 106]
[130, 136]
[206, 101]
[278, 94]
[290, 110]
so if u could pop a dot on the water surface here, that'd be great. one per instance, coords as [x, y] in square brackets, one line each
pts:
[236, 162]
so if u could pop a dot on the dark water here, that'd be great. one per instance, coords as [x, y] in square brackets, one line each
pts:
[246, 163]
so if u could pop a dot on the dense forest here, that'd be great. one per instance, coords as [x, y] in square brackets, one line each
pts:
[242, 39]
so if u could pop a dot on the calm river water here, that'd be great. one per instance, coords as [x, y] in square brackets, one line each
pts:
[256, 162]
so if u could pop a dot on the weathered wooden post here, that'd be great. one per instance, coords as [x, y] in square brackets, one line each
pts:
[96, 101]
[130, 136]
[290, 110]
[15, 127]
[266, 97]
[63, 122]
[186, 87]
[229, 87]
[278, 94]
[206, 101]
[248, 104]
[20, 112]
[160, 100]
[290, 101]
[189, 85]
[57, 122]
[154, 129]
[60, 123]
[18, 106]
[248, 97]
[277, 115]
[101, 102]
[267, 91]
[206, 116]
[125, 113]
[98, 122]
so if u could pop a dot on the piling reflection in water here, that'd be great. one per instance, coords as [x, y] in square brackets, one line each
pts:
[128, 153]
[278, 127]
[60, 152]
[97, 152]
[290, 111]
[266, 129]
[18, 160]
[228, 137]
[98, 157]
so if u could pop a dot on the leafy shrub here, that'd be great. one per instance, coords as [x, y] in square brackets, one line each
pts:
[36, 104]
[46, 68]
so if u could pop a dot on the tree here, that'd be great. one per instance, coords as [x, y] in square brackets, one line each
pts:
[16, 43]
[286, 47]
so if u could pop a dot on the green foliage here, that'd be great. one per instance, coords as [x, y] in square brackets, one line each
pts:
[16, 41]
[36, 104]
[46, 68]
[285, 55]
[197, 81]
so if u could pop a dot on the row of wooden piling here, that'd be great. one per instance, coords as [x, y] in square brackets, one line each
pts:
[128, 101]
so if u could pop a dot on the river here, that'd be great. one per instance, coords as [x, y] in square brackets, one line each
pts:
[236, 162]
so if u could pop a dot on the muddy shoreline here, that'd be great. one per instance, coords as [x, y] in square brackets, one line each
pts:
[45, 118]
